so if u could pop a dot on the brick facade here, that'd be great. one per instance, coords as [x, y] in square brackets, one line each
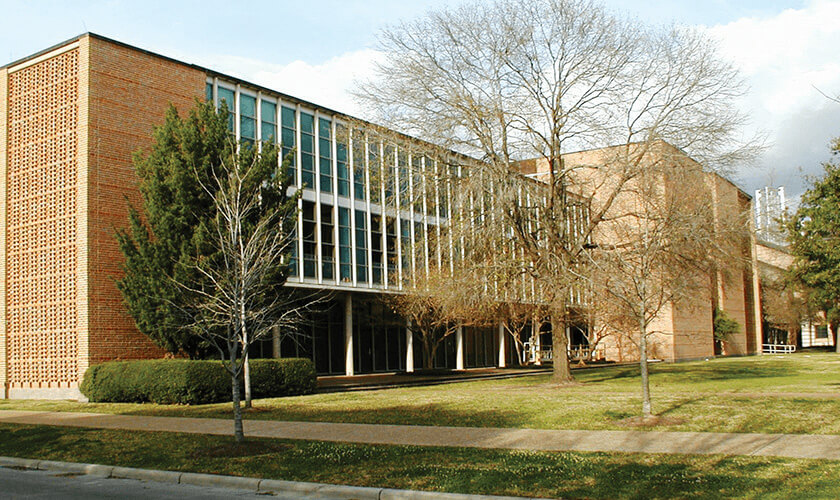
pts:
[686, 327]
[129, 93]
[4, 82]
[71, 119]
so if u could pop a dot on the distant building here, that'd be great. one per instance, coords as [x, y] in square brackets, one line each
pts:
[769, 215]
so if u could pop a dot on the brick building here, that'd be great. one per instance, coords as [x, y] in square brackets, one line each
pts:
[684, 330]
[70, 118]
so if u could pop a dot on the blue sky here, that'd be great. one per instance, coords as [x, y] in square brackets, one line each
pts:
[281, 31]
[314, 50]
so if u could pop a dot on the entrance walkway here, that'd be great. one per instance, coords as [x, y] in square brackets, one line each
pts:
[703, 443]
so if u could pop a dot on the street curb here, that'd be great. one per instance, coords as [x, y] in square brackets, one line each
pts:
[314, 490]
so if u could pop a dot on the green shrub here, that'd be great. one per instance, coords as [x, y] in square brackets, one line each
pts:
[724, 326]
[182, 381]
[272, 378]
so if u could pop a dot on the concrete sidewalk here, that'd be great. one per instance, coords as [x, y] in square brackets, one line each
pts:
[703, 443]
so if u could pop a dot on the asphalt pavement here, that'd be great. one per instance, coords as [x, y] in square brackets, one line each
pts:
[31, 484]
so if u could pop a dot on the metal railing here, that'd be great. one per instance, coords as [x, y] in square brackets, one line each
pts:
[530, 353]
[777, 348]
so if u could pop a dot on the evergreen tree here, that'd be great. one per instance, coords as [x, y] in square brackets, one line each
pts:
[814, 233]
[183, 154]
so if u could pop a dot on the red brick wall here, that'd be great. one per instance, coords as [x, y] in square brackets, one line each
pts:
[129, 93]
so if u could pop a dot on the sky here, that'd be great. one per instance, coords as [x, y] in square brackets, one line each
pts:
[785, 50]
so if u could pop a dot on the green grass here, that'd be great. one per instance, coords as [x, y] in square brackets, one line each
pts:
[502, 472]
[773, 394]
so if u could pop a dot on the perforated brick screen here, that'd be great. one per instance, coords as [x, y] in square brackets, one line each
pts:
[41, 230]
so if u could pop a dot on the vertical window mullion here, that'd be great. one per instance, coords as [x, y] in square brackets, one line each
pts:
[351, 152]
[369, 227]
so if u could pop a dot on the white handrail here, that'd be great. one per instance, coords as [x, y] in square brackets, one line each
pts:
[778, 348]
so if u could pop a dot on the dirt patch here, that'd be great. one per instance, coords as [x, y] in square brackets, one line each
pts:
[246, 449]
[651, 421]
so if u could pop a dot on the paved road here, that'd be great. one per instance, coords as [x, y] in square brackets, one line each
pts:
[704, 443]
[39, 484]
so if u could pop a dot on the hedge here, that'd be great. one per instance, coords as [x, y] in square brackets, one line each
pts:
[183, 381]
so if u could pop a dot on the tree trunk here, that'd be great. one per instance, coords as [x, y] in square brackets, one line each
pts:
[246, 373]
[245, 344]
[428, 354]
[238, 433]
[643, 364]
[836, 329]
[559, 348]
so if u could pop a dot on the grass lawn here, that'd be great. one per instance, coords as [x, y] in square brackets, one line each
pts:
[569, 475]
[797, 393]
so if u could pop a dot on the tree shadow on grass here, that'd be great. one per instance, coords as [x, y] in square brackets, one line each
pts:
[679, 404]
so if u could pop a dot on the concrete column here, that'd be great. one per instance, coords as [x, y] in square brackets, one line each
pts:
[459, 348]
[275, 341]
[535, 340]
[501, 345]
[348, 335]
[409, 348]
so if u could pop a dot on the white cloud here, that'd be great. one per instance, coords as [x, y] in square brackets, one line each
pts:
[326, 84]
[785, 59]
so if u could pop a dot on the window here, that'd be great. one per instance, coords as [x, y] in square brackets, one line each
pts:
[287, 138]
[307, 150]
[327, 243]
[431, 186]
[389, 169]
[405, 196]
[375, 171]
[344, 247]
[247, 118]
[822, 332]
[226, 100]
[391, 249]
[359, 165]
[325, 154]
[376, 248]
[361, 246]
[405, 246]
[341, 162]
[208, 91]
[420, 244]
[417, 183]
[268, 119]
[293, 257]
[310, 260]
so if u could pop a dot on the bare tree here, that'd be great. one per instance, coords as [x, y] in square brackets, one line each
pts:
[519, 80]
[666, 238]
[239, 297]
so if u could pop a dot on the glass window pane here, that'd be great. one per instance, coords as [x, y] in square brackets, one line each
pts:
[288, 137]
[288, 117]
[268, 132]
[226, 96]
[247, 128]
[247, 106]
[307, 143]
[226, 99]
[307, 122]
[268, 110]
[208, 91]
